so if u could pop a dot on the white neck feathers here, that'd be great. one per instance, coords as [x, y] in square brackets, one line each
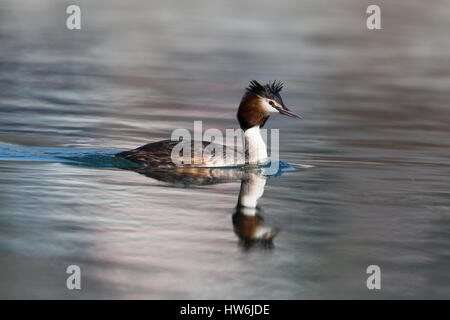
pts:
[255, 148]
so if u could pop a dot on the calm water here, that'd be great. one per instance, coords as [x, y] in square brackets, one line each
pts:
[375, 129]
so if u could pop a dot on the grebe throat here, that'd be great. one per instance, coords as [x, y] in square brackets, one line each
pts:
[255, 148]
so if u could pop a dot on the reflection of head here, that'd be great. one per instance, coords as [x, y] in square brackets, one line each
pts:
[251, 229]
[248, 225]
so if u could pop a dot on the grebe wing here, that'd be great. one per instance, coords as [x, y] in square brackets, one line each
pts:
[159, 154]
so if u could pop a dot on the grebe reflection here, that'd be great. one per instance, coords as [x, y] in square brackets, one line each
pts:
[248, 224]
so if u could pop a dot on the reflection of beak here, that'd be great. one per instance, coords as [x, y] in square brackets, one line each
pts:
[288, 113]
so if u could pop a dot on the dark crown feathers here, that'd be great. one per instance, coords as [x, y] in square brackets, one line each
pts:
[270, 90]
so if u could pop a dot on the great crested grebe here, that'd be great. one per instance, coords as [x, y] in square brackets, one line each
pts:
[257, 104]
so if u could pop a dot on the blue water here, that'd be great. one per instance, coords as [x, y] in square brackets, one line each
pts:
[96, 158]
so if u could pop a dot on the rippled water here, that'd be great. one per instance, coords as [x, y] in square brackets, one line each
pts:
[375, 133]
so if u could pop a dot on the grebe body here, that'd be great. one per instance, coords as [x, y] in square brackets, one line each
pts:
[257, 104]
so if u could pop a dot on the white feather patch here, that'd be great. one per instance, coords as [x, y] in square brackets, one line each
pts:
[268, 107]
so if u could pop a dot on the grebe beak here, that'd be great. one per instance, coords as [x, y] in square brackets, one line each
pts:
[288, 113]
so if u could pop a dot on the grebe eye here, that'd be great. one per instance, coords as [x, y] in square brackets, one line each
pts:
[271, 103]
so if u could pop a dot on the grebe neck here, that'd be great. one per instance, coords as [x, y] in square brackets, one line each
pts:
[255, 148]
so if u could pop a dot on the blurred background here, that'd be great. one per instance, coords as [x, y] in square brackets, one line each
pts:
[375, 128]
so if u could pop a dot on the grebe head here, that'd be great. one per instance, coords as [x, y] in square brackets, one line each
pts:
[259, 102]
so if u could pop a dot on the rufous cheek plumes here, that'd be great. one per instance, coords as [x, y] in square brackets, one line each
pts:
[250, 112]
